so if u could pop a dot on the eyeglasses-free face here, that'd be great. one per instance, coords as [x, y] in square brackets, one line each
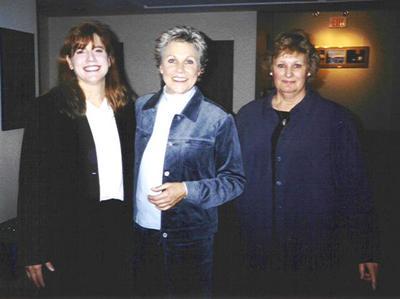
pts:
[180, 67]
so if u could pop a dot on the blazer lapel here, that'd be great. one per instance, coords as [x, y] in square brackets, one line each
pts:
[88, 155]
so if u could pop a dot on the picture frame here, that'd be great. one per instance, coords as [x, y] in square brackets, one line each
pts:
[343, 57]
[17, 76]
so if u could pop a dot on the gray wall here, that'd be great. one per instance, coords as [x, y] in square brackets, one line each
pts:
[138, 33]
[17, 15]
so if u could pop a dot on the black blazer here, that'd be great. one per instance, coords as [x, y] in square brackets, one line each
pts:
[58, 183]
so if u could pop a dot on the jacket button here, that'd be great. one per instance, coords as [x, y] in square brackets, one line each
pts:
[94, 173]
[279, 158]
[166, 173]
[165, 235]
[278, 183]
[170, 143]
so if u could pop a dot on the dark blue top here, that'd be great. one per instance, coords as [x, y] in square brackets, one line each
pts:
[321, 191]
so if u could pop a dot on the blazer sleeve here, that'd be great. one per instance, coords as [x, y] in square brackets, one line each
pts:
[33, 205]
[355, 203]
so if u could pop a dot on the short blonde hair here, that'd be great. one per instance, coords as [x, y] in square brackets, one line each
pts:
[295, 41]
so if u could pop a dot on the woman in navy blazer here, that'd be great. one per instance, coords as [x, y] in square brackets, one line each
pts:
[307, 198]
[76, 172]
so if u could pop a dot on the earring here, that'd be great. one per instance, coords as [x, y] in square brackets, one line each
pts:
[270, 73]
[308, 74]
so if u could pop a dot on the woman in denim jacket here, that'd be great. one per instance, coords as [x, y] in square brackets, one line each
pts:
[188, 163]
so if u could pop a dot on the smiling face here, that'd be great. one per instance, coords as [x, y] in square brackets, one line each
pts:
[90, 64]
[290, 72]
[180, 67]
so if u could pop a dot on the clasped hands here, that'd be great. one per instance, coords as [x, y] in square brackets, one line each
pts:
[168, 195]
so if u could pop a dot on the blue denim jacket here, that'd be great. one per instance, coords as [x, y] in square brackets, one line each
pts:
[203, 151]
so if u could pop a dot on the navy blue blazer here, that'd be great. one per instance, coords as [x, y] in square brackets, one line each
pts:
[321, 194]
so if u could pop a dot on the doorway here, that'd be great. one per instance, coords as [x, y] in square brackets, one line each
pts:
[217, 81]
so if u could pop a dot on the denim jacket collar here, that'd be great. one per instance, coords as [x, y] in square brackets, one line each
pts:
[191, 110]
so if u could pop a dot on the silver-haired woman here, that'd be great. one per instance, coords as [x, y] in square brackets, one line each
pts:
[188, 163]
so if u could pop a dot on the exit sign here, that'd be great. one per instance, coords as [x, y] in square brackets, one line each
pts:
[337, 22]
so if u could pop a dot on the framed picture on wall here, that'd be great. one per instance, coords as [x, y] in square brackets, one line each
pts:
[344, 57]
[17, 76]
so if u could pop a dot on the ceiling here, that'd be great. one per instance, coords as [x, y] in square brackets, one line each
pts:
[55, 8]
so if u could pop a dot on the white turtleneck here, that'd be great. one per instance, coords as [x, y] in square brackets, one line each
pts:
[152, 163]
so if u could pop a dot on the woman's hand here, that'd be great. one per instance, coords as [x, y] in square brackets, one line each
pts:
[369, 273]
[35, 274]
[170, 194]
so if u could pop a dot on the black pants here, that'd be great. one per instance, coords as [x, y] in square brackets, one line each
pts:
[172, 268]
[323, 283]
[96, 263]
